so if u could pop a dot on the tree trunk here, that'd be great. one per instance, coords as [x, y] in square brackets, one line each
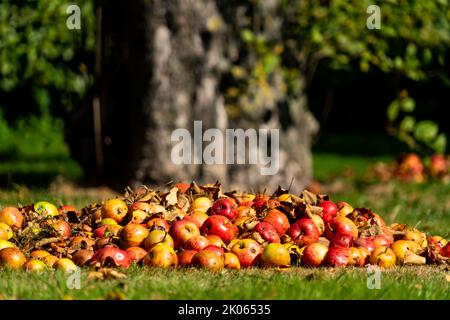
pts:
[163, 66]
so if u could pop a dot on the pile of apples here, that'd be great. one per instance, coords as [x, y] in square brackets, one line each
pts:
[200, 226]
[412, 168]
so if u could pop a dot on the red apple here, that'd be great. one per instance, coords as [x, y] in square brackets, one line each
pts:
[446, 251]
[136, 254]
[158, 223]
[111, 256]
[208, 259]
[383, 240]
[278, 219]
[314, 254]
[267, 232]
[329, 210]
[214, 248]
[215, 240]
[276, 255]
[225, 207]
[12, 258]
[198, 217]
[340, 240]
[438, 165]
[338, 257]
[12, 217]
[220, 226]
[61, 229]
[197, 243]
[182, 230]
[260, 202]
[133, 235]
[303, 232]
[185, 258]
[248, 252]
[366, 242]
[437, 243]
[341, 226]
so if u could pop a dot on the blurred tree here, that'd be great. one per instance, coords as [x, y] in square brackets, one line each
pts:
[165, 64]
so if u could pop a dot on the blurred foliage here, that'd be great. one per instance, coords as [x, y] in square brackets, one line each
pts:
[411, 45]
[423, 135]
[45, 70]
[40, 57]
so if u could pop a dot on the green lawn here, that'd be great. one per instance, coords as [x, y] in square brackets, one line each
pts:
[299, 283]
[426, 206]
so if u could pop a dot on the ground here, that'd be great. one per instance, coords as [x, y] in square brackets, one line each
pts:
[425, 206]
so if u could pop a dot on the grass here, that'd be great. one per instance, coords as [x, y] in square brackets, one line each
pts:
[298, 283]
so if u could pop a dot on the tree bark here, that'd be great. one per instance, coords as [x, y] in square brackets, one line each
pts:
[163, 66]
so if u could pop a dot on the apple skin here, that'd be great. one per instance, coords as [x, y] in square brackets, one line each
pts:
[344, 208]
[248, 252]
[225, 207]
[438, 165]
[12, 258]
[341, 226]
[437, 243]
[303, 232]
[136, 254]
[198, 217]
[82, 257]
[329, 210]
[366, 242]
[214, 248]
[182, 230]
[185, 257]
[200, 204]
[220, 226]
[162, 256]
[215, 240]
[197, 243]
[446, 250]
[267, 232]
[340, 240]
[115, 209]
[383, 257]
[276, 255]
[314, 254]
[12, 217]
[156, 237]
[158, 223]
[65, 264]
[6, 231]
[114, 255]
[279, 220]
[34, 265]
[231, 261]
[46, 209]
[356, 257]
[337, 257]
[383, 240]
[210, 260]
[133, 235]
[320, 224]
[61, 229]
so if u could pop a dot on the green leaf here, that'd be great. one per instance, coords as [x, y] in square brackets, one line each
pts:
[393, 110]
[440, 144]
[408, 105]
[407, 124]
[247, 35]
[426, 131]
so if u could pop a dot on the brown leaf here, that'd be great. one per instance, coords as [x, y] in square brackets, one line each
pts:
[172, 198]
